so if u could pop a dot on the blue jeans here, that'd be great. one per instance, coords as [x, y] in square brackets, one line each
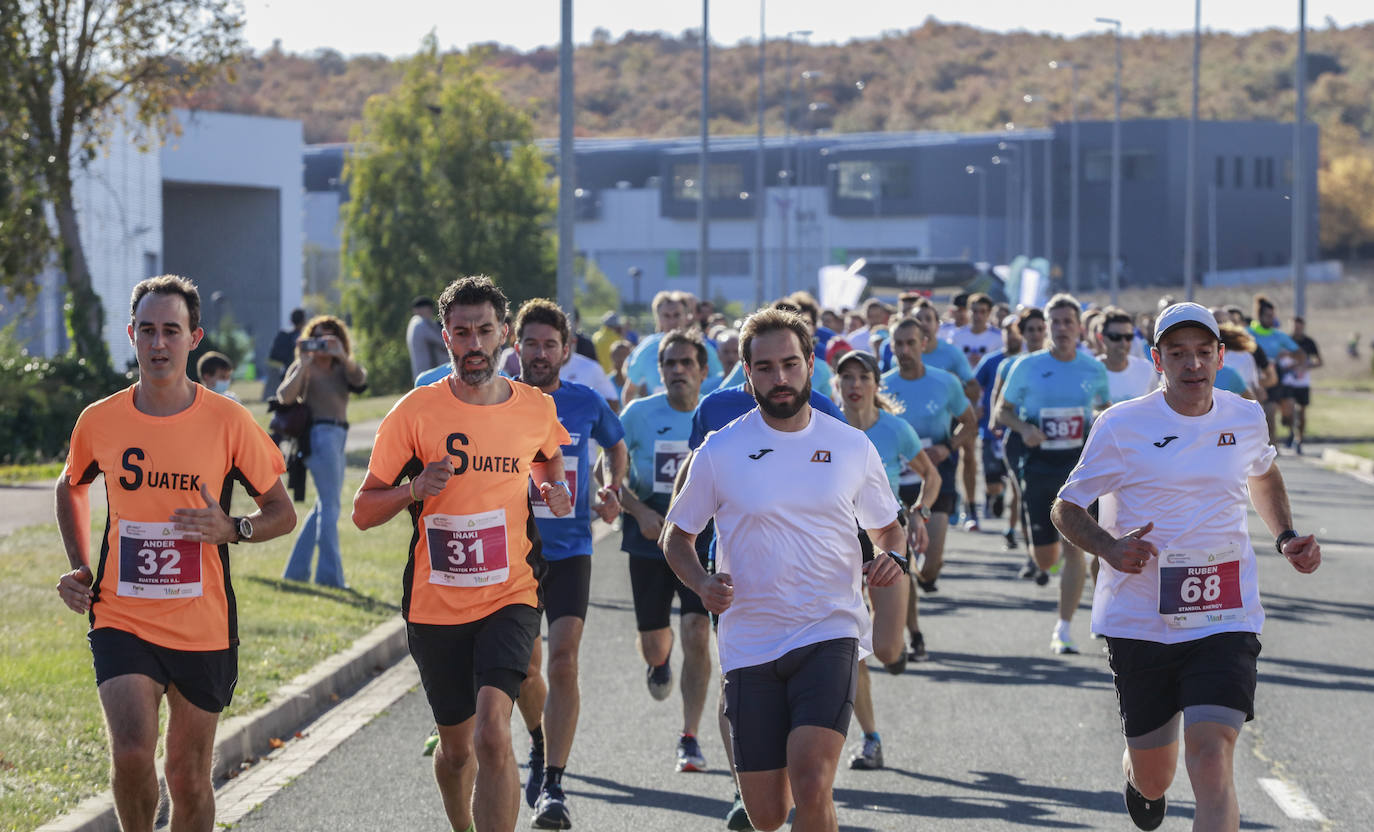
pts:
[321, 525]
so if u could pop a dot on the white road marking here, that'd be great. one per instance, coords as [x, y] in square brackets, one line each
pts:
[265, 778]
[1291, 800]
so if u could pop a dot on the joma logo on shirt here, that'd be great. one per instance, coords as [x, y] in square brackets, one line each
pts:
[170, 480]
[478, 462]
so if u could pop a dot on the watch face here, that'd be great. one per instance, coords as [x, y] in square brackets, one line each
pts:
[245, 528]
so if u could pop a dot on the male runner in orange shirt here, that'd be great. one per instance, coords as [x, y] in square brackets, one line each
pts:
[162, 611]
[458, 454]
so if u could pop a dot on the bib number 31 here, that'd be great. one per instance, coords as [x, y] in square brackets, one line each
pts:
[467, 550]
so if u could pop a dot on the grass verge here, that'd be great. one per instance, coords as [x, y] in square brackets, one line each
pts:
[360, 408]
[1332, 417]
[52, 738]
[17, 474]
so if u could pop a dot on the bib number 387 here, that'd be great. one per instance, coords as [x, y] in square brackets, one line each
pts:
[1198, 589]
[1063, 427]
[155, 562]
[467, 550]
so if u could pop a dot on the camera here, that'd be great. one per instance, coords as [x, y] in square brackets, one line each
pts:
[314, 345]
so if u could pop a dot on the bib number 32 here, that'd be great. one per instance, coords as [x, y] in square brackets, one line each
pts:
[154, 562]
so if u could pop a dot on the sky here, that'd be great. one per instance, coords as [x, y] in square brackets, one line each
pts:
[395, 27]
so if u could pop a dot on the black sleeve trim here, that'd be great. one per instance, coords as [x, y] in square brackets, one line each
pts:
[88, 476]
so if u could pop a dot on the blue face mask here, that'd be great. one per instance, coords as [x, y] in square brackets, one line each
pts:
[221, 386]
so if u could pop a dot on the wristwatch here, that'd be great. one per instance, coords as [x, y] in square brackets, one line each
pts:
[1284, 536]
[243, 529]
[901, 561]
[925, 513]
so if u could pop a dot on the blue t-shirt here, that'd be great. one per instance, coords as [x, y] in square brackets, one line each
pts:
[729, 403]
[986, 376]
[656, 436]
[433, 374]
[1057, 396]
[823, 336]
[821, 374]
[897, 444]
[642, 365]
[586, 416]
[932, 401]
[1228, 379]
[945, 356]
[1273, 341]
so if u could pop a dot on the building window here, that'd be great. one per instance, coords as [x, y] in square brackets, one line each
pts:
[864, 179]
[1136, 166]
[1269, 173]
[727, 263]
[1221, 171]
[1240, 172]
[727, 181]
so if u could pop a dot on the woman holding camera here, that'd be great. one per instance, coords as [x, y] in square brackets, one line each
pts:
[322, 377]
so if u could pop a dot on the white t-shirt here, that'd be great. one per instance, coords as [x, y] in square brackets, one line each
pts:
[860, 339]
[1146, 463]
[1243, 363]
[976, 344]
[945, 331]
[785, 505]
[583, 370]
[1136, 380]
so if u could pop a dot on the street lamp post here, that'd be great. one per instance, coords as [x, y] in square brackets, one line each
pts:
[1190, 203]
[1300, 170]
[760, 187]
[1115, 240]
[1008, 224]
[982, 175]
[787, 153]
[1073, 170]
[567, 176]
[704, 169]
[1049, 178]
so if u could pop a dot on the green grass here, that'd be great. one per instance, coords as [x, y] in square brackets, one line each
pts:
[16, 474]
[1333, 417]
[360, 408]
[52, 739]
[1364, 449]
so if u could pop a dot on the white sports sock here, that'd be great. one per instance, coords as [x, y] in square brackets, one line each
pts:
[1061, 630]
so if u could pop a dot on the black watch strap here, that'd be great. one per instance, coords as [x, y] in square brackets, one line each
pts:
[901, 561]
[1284, 536]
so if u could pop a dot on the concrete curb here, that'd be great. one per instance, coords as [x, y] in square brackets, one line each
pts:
[292, 706]
[1347, 462]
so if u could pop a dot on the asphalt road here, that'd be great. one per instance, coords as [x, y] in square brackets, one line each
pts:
[993, 733]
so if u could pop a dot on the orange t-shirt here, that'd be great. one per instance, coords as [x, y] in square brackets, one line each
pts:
[172, 592]
[475, 548]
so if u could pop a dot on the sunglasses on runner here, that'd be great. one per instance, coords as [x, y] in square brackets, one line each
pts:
[1118, 336]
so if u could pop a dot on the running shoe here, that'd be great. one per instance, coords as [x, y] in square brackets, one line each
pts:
[999, 504]
[1030, 570]
[536, 778]
[689, 756]
[1041, 577]
[1011, 541]
[971, 525]
[898, 667]
[1145, 814]
[551, 812]
[1063, 646]
[737, 819]
[927, 586]
[660, 680]
[870, 756]
[431, 743]
[918, 648]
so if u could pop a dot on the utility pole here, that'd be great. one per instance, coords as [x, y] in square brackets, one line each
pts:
[1300, 171]
[760, 187]
[567, 177]
[1190, 199]
[1115, 242]
[704, 206]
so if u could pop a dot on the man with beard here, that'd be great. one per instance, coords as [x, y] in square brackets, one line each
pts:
[787, 488]
[934, 400]
[656, 431]
[1049, 400]
[550, 711]
[459, 455]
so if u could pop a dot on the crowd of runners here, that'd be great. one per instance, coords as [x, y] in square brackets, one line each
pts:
[789, 482]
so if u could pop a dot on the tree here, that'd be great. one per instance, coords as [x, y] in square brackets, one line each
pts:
[1347, 217]
[71, 68]
[445, 182]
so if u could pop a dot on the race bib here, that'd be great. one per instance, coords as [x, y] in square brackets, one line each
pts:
[467, 550]
[1064, 427]
[155, 562]
[908, 476]
[541, 508]
[1198, 589]
[668, 457]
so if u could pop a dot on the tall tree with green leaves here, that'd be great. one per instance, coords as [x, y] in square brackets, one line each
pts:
[69, 69]
[444, 182]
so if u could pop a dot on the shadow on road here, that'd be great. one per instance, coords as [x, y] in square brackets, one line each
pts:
[343, 596]
[1309, 610]
[624, 794]
[1012, 670]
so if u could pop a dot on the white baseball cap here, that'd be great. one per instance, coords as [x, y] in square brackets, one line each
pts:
[1185, 314]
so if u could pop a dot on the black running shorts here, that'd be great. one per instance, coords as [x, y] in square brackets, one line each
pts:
[1045, 472]
[654, 584]
[457, 659]
[811, 685]
[205, 677]
[567, 587]
[1155, 681]
[944, 504]
[994, 469]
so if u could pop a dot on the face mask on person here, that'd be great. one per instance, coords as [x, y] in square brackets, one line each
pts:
[221, 386]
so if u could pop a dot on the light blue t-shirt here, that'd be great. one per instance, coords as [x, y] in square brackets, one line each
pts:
[897, 444]
[946, 356]
[642, 365]
[821, 374]
[1057, 396]
[1228, 379]
[932, 401]
[1273, 341]
[586, 416]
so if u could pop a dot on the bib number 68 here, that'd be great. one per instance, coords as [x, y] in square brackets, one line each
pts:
[1196, 589]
